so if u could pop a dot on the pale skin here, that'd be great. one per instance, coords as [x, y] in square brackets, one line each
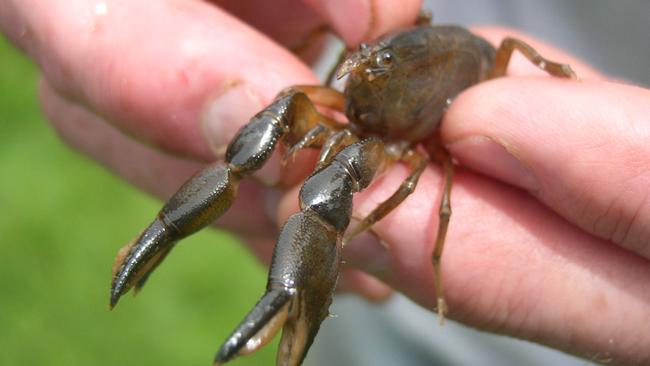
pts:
[546, 243]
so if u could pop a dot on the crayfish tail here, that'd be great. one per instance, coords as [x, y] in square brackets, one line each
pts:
[258, 328]
[135, 261]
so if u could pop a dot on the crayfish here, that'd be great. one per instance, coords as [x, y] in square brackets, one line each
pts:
[396, 92]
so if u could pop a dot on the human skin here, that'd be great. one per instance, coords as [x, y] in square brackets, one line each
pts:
[547, 241]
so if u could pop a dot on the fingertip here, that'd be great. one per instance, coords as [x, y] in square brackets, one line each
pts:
[360, 20]
[491, 127]
[579, 147]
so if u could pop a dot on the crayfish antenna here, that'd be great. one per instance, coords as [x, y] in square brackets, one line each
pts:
[258, 328]
[135, 261]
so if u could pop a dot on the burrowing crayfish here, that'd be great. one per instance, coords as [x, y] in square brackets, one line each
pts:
[396, 93]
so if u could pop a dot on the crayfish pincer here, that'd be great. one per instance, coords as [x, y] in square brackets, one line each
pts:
[395, 95]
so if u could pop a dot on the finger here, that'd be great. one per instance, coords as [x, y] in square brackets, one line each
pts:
[154, 172]
[581, 147]
[151, 68]
[291, 23]
[363, 20]
[520, 66]
[364, 285]
[510, 266]
[287, 22]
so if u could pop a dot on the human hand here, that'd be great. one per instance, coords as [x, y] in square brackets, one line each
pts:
[548, 242]
[551, 278]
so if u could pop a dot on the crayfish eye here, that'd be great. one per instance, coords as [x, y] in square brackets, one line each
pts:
[384, 58]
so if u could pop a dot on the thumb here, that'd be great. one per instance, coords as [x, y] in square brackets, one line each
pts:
[582, 148]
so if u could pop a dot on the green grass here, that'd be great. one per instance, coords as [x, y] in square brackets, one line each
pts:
[62, 219]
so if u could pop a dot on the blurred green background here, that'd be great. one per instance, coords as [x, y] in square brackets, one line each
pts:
[62, 220]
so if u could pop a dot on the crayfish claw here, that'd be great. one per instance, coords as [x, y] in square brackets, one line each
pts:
[258, 328]
[155, 261]
[135, 261]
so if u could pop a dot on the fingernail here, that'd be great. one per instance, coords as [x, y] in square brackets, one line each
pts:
[495, 159]
[367, 253]
[226, 111]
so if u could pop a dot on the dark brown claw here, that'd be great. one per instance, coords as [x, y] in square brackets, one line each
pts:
[259, 326]
[204, 197]
[137, 260]
[198, 203]
[306, 259]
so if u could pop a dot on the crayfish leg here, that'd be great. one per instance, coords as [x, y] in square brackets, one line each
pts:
[258, 327]
[444, 214]
[333, 145]
[417, 163]
[197, 203]
[314, 138]
[307, 256]
[322, 96]
[509, 45]
[266, 334]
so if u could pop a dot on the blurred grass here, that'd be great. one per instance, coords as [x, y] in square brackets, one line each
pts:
[62, 219]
